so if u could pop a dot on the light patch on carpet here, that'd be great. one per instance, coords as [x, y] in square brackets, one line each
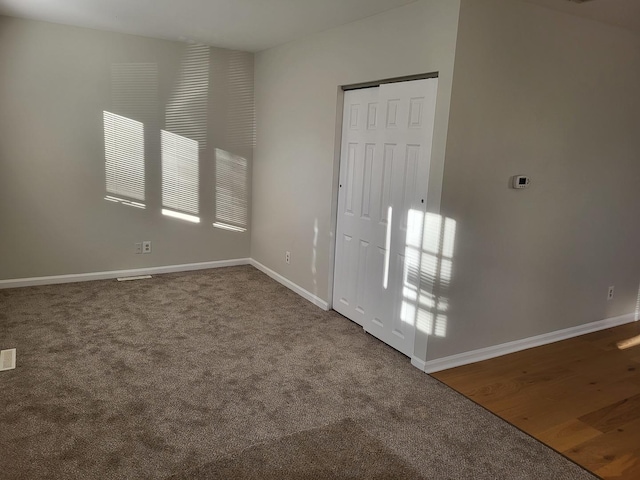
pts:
[7, 359]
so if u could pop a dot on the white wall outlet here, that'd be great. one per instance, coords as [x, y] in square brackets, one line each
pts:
[146, 246]
[287, 257]
[610, 293]
[7, 359]
[138, 248]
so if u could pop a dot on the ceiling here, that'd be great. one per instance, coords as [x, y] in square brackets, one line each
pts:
[623, 13]
[250, 25]
[254, 25]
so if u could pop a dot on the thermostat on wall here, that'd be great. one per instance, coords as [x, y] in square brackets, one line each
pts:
[521, 181]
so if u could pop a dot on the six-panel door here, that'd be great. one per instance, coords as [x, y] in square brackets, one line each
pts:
[384, 174]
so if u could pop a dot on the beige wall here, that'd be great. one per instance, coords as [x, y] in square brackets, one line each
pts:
[535, 92]
[55, 83]
[555, 97]
[297, 89]
[297, 97]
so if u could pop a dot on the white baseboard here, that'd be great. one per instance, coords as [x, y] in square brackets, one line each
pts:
[290, 285]
[87, 277]
[473, 356]
[430, 366]
[419, 364]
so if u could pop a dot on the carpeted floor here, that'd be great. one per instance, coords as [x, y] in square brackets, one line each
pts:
[340, 450]
[226, 374]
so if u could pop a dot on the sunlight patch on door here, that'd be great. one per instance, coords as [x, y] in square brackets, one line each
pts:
[411, 267]
[180, 177]
[428, 269]
[124, 160]
[387, 251]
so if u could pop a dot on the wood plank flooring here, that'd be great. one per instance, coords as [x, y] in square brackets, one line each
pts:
[579, 396]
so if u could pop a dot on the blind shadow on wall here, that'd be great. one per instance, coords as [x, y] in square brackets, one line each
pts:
[203, 145]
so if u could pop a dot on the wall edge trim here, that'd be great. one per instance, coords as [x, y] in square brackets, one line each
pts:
[108, 275]
[290, 285]
[473, 356]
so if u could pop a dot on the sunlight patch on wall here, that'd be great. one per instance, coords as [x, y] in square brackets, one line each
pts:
[124, 160]
[231, 228]
[124, 201]
[181, 216]
[186, 111]
[231, 191]
[180, 177]
[314, 254]
[134, 91]
[241, 125]
[134, 104]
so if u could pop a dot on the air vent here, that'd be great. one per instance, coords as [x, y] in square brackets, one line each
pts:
[138, 277]
[7, 359]
[579, 1]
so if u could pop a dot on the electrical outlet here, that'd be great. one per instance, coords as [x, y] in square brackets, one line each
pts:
[138, 248]
[287, 257]
[610, 294]
[146, 246]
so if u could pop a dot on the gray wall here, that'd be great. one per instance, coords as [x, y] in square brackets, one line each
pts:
[55, 83]
[555, 97]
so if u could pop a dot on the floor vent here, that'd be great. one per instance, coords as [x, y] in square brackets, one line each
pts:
[139, 277]
[7, 359]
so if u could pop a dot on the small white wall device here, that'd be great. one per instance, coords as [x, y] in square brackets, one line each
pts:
[521, 181]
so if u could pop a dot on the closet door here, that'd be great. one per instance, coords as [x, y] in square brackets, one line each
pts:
[384, 174]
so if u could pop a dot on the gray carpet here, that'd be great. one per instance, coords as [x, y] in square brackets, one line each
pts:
[227, 374]
[340, 451]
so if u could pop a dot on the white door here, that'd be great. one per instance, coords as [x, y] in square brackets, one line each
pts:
[384, 174]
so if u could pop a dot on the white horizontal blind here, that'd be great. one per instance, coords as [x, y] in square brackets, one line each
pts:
[124, 156]
[180, 175]
[231, 190]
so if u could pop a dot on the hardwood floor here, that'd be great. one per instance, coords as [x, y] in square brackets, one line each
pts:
[579, 396]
